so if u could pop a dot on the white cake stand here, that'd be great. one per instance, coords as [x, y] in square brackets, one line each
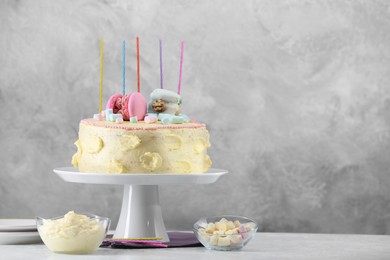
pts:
[141, 212]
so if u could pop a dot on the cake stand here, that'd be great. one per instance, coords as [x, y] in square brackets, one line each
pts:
[140, 215]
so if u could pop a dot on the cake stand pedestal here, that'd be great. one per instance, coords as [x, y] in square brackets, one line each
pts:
[140, 215]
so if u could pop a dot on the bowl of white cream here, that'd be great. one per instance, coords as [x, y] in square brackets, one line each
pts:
[73, 233]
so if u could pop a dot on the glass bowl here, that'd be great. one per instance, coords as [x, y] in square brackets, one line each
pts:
[73, 236]
[225, 237]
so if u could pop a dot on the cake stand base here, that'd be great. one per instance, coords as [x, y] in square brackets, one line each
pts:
[141, 215]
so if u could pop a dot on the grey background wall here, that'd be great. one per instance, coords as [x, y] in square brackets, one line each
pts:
[295, 94]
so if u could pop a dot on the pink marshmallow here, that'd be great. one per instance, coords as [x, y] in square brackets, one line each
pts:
[150, 119]
[244, 236]
[119, 120]
[97, 117]
[241, 229]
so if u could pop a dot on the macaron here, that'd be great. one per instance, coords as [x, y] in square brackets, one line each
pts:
[112, 101]
[137, 106]
[124, 111]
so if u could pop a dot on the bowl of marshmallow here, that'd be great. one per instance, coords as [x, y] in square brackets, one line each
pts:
[225, 233]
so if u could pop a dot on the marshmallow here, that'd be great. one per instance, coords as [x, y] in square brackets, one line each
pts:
[97, 116]
[150, 119]
[248, 226]
[210, 227]
[221, 226]
[114, 117]
[241, 229]
[214, 240]
[231, 232]
[119, 120]
[134, 119]
[224, 220]
[108, 113]
[230, 225]
[177, 120]
[166, 120]
[219, 232]
[161, 116]
[170, 119]
[224, 241]
[185, 118]
[235, 239]
[244, 236]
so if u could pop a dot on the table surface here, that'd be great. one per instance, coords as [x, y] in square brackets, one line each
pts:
[263, 246]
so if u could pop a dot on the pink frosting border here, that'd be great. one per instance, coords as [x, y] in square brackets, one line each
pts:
[94, 122]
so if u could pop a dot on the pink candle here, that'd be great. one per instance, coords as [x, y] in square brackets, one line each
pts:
[181, 67]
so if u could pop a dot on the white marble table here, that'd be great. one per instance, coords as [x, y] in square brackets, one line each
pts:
[263, 246]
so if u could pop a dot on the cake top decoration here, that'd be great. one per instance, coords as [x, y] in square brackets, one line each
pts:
[131, 105]
[166, 104]
[164, 107]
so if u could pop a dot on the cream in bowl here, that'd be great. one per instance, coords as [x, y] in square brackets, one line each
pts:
[73, 233]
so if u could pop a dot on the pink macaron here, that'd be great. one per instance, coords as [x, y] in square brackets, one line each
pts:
[137, 106]
[112, 101]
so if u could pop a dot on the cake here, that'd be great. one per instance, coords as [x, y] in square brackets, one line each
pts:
[131, 136]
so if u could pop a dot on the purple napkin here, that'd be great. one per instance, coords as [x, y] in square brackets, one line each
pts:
[176, 239]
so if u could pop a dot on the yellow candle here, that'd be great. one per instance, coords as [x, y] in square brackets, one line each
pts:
[101, 76]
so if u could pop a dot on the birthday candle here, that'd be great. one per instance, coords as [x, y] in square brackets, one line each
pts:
[138, 69]
[101, 76]
[181, 66]
[123, 66]
[161, 67]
